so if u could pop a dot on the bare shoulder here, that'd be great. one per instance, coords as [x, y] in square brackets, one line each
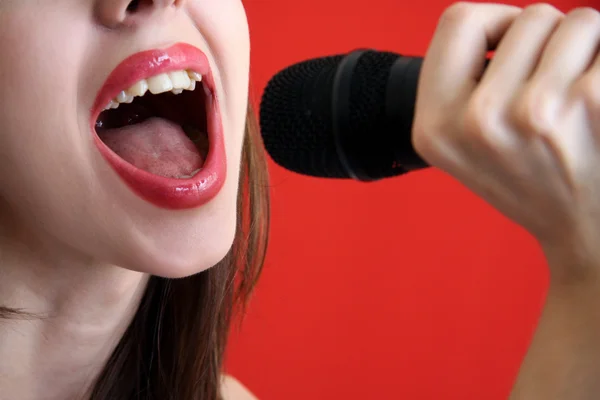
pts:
[232, 389]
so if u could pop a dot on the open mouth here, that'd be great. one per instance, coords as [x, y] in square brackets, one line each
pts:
[159, 124]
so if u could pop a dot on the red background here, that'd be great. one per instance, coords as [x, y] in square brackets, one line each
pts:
[410, 288]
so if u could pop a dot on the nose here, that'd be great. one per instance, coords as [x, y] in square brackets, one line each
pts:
[114, 13]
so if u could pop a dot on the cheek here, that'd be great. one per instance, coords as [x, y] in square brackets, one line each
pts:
[224, 26]
[37, 103]
[176, 247]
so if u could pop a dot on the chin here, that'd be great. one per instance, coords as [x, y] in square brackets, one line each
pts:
[178, 256]
[180, 267]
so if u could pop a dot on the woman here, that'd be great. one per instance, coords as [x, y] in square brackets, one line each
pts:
[134, 207]
[164, 86]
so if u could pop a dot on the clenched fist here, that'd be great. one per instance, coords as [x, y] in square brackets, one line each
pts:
[523, 133]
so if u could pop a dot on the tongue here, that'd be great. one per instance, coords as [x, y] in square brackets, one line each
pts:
[156, 145]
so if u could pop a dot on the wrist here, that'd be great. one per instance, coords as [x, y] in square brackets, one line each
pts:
[572, 264]
[563, 361]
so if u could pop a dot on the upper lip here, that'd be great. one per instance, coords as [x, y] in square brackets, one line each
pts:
[150, 63]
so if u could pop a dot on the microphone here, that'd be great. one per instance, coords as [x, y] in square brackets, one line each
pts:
[343, 116]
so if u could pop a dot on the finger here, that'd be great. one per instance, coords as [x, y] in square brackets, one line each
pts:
[519, 52]
[570, 52]
[455, 58]
[588, 88]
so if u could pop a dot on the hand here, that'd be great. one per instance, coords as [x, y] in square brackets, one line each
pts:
[525, 134]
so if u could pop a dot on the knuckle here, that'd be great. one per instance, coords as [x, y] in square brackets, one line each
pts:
[588, 90]
[423, 139]
[543, 10]
[481, 116]
[586, 16]
[430, 137]
[459, 13]
[531, 112]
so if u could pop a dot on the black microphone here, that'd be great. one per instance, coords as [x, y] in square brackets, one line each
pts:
[343, 116]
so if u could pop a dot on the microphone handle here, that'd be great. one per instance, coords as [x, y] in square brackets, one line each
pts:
[394, 140]
[401, 96]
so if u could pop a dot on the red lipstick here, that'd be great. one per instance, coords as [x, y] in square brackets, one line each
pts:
[167, 193]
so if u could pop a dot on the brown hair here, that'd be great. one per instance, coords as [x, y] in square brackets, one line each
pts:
[174, 347]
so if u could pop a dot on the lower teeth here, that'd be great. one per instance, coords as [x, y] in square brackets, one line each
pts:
[190, 175]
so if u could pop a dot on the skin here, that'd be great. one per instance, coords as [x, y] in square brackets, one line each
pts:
[525, 138]
[77, 245]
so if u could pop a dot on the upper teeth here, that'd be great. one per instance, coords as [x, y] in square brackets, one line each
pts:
[176, 82]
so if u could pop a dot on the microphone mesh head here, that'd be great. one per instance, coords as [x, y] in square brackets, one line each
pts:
[296, 116]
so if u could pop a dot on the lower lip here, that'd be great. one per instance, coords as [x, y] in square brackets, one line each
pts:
[169, 193]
